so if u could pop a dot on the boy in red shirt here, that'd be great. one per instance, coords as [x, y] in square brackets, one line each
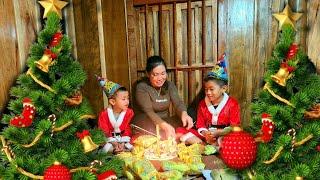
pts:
[216, 112]
[115, 119]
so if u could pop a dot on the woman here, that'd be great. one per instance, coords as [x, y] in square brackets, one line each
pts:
[154, 96]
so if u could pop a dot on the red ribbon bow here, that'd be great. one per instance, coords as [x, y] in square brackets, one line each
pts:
[83, 134]
[50, 53]
[288, 67]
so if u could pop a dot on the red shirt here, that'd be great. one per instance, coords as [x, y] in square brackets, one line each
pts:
[229, 114]
[108, 126]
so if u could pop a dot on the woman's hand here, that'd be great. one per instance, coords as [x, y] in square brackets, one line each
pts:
[168, 130]
[186, 120]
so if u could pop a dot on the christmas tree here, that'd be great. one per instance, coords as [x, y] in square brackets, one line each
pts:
[47, 133]
[286, 112]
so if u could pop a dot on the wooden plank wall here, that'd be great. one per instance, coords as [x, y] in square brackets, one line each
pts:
[245, 30]
[107, 40]
[313, 27]
[97, 29]
[19, 22]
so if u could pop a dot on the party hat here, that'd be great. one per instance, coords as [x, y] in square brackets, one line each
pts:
[108, 86]
[219, 71]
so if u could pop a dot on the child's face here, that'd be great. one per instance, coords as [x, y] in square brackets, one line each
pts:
[214, 91]
[120, 101]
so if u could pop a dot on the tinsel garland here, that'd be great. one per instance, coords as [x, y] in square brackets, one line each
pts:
[296, 144]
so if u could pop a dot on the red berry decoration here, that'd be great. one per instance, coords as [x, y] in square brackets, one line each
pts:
[318, 148]
[238, 149]
[56, 38]
[293, 49]
[57, 172]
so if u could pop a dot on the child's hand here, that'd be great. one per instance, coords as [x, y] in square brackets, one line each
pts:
[119, 147]
[217, 132]
[210, 138]
[221, 132]
[114, 144]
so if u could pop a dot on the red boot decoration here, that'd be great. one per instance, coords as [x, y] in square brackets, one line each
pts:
[27, 116]
[267, 128]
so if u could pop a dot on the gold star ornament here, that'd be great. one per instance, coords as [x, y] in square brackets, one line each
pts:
[52, 6]
[287, 17]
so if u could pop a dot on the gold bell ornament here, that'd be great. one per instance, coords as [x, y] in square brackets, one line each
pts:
[46, 60]
[86, 141]
[283, 74]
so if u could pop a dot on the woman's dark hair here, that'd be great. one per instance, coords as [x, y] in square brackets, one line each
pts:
[218, 81]
[153, 62]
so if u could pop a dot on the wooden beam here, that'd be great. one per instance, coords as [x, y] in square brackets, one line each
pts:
[313, 44]
[132, 42]
[146, 28]
[154, 2]
[88, 48]
[301, 34]
[167, 7]
[27, 27]
[115, 41]
[10, 64]
[160, 30]
[175, 54]
[222, 18]
[215, 29]
[185, 68]
[70, 29]
[178, 51]
[189, 49]
[204, 32]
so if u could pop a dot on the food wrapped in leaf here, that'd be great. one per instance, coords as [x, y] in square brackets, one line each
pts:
[171, 165]
[170, 175]
[144, 169]
[145, 141]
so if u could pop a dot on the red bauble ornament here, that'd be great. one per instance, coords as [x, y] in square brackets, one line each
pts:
[293, 49]
[57, 172]
[238, 149]
[27, 115]
[56, 38]
[318, 148]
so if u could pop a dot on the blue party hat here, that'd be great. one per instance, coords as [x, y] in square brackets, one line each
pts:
[219, 71]
[108, 86]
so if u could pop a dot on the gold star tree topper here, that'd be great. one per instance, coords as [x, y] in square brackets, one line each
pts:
[52, 6]
[287, 17]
